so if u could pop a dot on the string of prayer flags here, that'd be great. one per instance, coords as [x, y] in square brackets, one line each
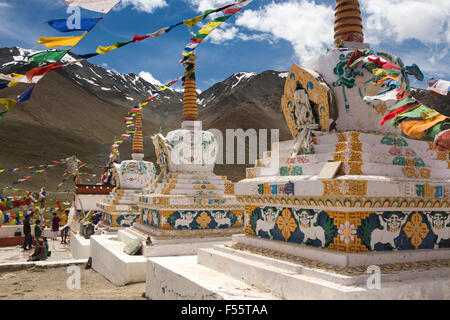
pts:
[103, 6]
[209, 27]
[104, 50]
[64, 25]
[51, 42]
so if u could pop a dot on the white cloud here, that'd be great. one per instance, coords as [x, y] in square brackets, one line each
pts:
[143, 5]
[223, 34]
[306, 25]
[202, 5]
[424, 20]
[147, 76]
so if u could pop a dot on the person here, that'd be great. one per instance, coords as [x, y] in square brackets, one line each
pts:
[28, 241]
[64, 231]
[46, 247]
[55, 226]
[43, 196]
[40, 252]
[37, 229]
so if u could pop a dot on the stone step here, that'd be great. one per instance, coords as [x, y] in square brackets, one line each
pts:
[287, 283]
[183, 278]
[366, 157]
[355, 168]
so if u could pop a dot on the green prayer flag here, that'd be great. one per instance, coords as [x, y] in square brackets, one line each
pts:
[121, 44]
[2, 114]
[47, 56]
[222, 19]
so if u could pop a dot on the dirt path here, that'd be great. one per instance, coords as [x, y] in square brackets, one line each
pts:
[51, 284]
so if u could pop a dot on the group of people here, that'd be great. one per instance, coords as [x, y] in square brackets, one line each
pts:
[41, 251]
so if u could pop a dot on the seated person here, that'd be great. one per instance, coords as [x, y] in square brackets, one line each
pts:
[40, 252]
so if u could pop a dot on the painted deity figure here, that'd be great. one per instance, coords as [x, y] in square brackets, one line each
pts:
[391, 227]
[185, 220]
[268, 221]
[305, 121]
[162, 161]
[439, 224]
[221, 218]
[307, 223]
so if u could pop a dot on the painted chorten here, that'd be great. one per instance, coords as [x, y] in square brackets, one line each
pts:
[131, 177]
[188, 200]
[358, 175]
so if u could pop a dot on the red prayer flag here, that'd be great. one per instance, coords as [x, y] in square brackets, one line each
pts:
[41, 71]
[232, 10]
[139, 38]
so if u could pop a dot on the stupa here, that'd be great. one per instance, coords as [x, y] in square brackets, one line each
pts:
[345, 198]
[131, 177]
[118, 208]
[186, 208]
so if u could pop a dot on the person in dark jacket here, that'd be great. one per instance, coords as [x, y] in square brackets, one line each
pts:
[37, 229]
[28, 242]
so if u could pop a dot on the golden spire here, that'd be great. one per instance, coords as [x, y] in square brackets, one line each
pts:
[138, 144]
[190, 110]
[347, 22]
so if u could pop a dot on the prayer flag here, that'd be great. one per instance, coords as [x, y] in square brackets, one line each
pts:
[440, 87]
[192, 22]
[8, 103]
[94, 5]
[51, 42]
[47, 56]
[26, 95]
[62, 25]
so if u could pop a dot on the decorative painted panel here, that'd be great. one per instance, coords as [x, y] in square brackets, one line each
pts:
[192, 219]
[351, 231]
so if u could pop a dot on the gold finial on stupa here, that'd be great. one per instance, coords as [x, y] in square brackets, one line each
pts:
[138, 143]
[190, 110]
[347, 22]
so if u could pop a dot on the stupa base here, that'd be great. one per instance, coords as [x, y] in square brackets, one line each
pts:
[286, 276]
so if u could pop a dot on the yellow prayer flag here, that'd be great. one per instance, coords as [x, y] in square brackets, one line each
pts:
[104, 50]
[1, 170]
[205, 31]
[8, 103]
[51, 42]
[13, 83]
[192, 22]
[16, 75]
[213, 24]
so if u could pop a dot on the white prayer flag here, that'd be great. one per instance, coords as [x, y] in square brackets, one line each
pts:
[440, 86]
[94, 5]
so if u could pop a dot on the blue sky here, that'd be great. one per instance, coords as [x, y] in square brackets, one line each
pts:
[265, 35]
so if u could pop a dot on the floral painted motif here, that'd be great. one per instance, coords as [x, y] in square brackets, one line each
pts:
[347, 232]
[416, 230]
[203, 220]
[286, 223]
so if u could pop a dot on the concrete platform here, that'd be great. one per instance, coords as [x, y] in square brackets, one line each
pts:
[182, 278]
[109, 260]
[190, 278]
[79, 246]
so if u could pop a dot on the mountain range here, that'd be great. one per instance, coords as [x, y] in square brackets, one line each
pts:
[79, 110]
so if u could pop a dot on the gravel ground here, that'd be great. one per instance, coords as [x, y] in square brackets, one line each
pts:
[51, 284]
